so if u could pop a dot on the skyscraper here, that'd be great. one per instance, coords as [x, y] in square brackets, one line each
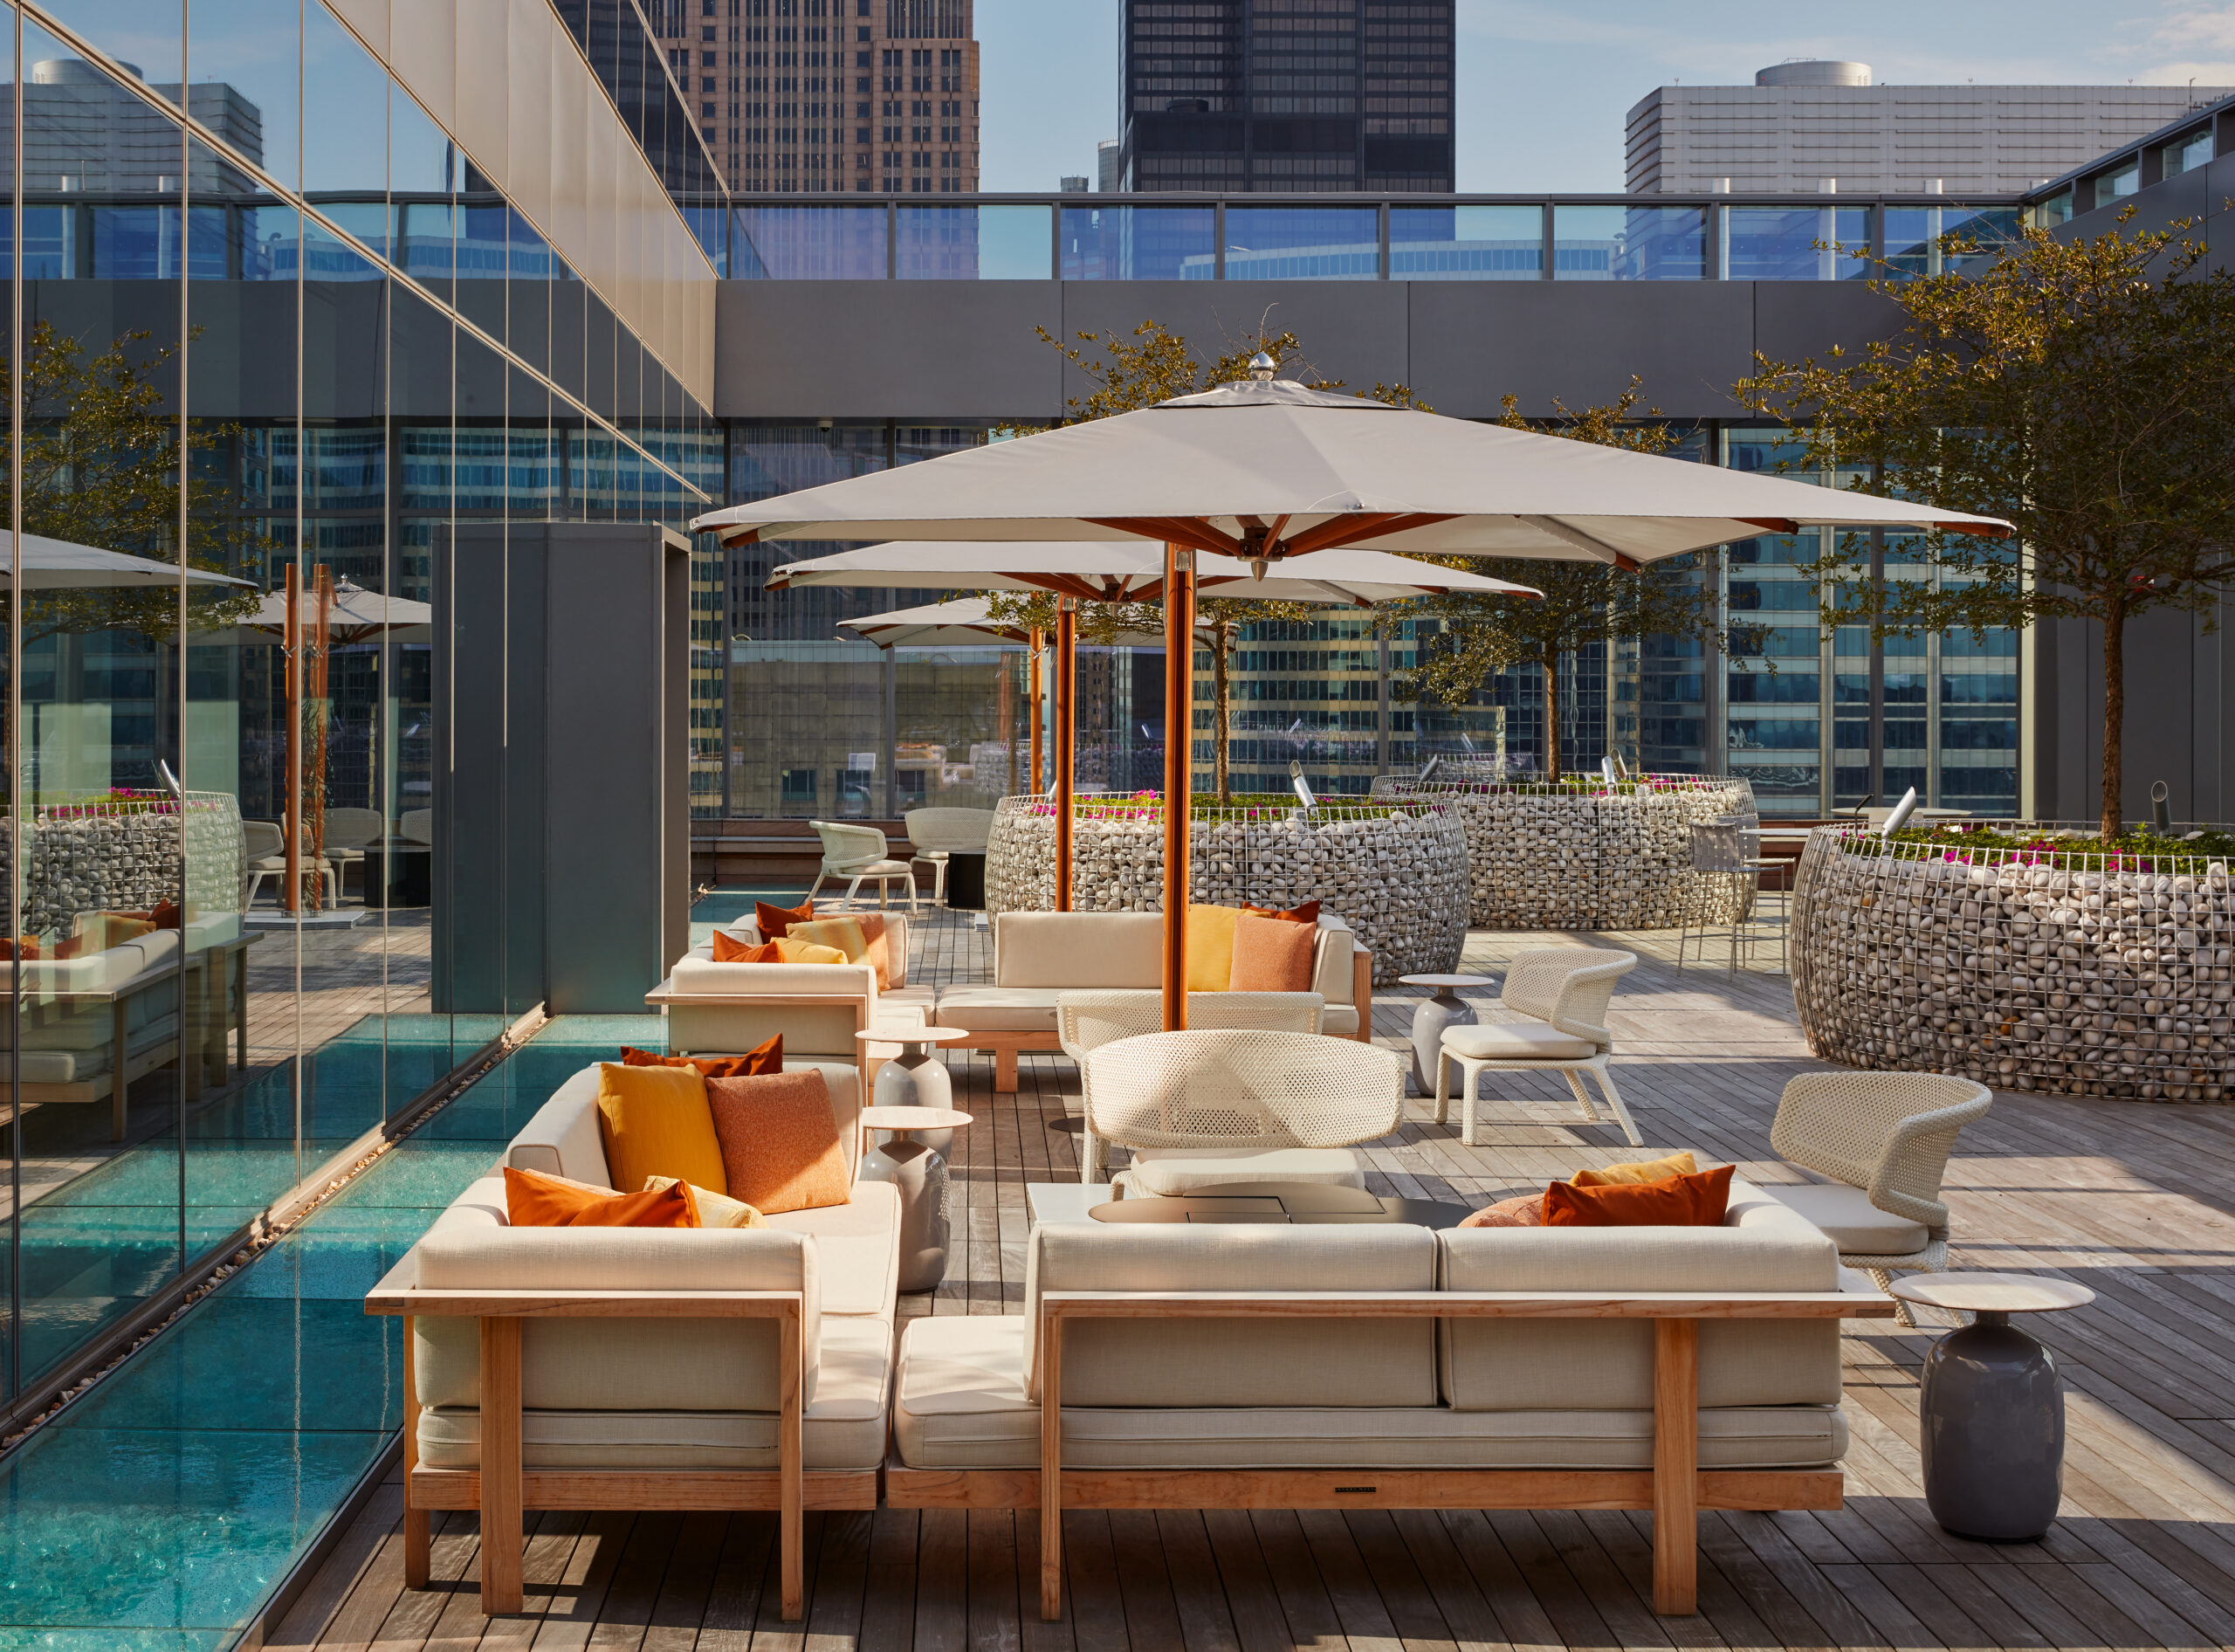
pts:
[821, 97]
[1289, 95]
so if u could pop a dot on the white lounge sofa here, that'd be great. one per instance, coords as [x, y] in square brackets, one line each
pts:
[1248, 1367]
[1038, 956]
[776, 1398]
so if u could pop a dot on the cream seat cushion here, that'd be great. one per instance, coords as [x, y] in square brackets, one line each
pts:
[857, 1248]
[1169, 1171]
[959, 1403]
[844, 1425]
[999, 1008]
[1517, 1041]
[1850, 1220]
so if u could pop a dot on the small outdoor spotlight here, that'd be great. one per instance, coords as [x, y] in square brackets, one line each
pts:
[2161, 808]
[1900, 816]
[1302, 786]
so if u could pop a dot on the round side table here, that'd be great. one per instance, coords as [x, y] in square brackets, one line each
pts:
[907, 1160]
[916, 1077]
[1444, 1009]
[1992, 1406]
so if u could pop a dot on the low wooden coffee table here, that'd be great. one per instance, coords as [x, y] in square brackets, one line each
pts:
[1303, 1204]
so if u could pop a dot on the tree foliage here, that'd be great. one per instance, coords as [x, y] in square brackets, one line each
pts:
[1584, 602]
[2082, 390]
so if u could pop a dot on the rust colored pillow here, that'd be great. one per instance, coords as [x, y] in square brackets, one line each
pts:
[532, 1201]
[728, 949]
[1272, 956]
[768, 1057]
[1523, 1210]
[773, 921]
[1674, 1201]
[30, 948]
[1307, 913]
[779, 1140]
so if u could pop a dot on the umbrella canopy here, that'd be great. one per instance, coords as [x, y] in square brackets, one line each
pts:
[961, 624]
[1271, 468]
[357, 615]
[59, 564]
[1134, 572]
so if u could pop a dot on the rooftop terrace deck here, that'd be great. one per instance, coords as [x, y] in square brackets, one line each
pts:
[2136, 1201]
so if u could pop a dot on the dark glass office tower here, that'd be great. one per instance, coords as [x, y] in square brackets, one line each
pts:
[1289, 95]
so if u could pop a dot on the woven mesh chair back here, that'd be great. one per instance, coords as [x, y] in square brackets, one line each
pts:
[1890, 1132]
[1087, 1020]
[1567, 987]
[1209, 1089]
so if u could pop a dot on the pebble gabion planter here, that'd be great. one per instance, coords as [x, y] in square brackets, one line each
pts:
[1580, 854]
[2072, 974]
[125, 858]
[1397, 876]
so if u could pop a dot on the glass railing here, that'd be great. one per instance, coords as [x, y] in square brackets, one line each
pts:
[1082, 238]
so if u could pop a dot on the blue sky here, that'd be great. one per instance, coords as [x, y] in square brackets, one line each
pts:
[1544, 84]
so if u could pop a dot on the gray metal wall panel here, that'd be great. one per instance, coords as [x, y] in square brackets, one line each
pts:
[1793, 319]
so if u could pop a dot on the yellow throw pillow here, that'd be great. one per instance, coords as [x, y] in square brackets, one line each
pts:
[844, 933]
[804, 952]
[1676, 1164]
[715, 1209]
[1210, 947]
[655, 1122]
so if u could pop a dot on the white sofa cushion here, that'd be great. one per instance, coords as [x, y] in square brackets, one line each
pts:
[1168, 1171]
[1845, 1216]
[1517, 1041]
[1249, 1362]
[1330, 968]
[843, 1427]
[857, 1248]
[1516, 1364]
[1054, 950]
[959, 1404]
[999, 1008]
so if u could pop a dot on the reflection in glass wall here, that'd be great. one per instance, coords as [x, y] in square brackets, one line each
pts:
[1796, 243]
[1302, 243]
[249, 428]
[1466, 244]
[1629, 244]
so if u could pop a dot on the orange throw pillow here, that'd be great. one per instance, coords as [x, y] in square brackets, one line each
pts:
[553, 1201]
[728, 949]
[768, 1057]
[1674, 1201]
[1272, 956]
[773, 921]
[29, 947]
[781, 1145]
[1307, 913]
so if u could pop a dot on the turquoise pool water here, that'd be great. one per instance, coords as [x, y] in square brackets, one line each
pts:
[158, 1513]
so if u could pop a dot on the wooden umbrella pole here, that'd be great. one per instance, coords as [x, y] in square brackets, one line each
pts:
[1033, 693]
[1067, 708]
[291, 892]
[1179, 787]
[322, 637]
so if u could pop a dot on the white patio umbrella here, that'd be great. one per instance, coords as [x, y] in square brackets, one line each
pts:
[961, 624]
[354, 615]
[58, 565]
[1268, 469]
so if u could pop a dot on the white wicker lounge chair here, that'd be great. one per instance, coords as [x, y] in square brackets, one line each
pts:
[1884, 1138]
[1086, 1021]
[858, 852]
[1557, 997]
[935, 834]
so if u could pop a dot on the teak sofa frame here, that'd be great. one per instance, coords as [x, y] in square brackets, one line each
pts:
[1676, 1488]
[1005, 1046]
[500, 1489]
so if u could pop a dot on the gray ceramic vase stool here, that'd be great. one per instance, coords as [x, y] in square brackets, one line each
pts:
[1992, 1406]
[1432, 1015]
[916, 1077]
[906, 1160]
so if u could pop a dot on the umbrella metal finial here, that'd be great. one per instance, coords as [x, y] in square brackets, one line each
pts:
[1262, 367]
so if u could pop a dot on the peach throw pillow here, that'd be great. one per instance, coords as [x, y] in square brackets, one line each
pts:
[780, 1142]
[654, 1121]
[1272, 956]
[533, 1200]
[1523, 1210]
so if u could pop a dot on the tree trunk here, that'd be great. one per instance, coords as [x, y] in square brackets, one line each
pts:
[1551, 663]
[1221, 684]
[2115, 708]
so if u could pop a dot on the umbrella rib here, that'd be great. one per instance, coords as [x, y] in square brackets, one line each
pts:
[1339, 531]
[1191, 531]
[1582, 542]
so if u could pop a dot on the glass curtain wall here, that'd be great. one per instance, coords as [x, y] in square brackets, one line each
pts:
[267, 369]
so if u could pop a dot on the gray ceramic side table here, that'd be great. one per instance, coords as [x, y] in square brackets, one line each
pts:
[1433, 1014]
[919, 1172]
[1992, 1406]
[916, 1077]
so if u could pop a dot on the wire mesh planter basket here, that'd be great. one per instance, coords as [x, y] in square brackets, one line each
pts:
[1580, 852]
[127, 852]
[1396, 873]
[2070, 973]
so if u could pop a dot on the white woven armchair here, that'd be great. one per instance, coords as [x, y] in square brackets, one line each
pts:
[1884, 1138]
[1086, 1021]
[935, 834]
[1202, 1108]
[1556, 1000]
[860, 853]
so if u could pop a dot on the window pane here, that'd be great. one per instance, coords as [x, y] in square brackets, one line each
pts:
[810, 244]
[142, 35]
[1628, 244]
[972, 244]
[1303, 244]
[345, 151]
[2188, 152]
[1796, 243]
[1914, 238]
[1466, 244]
[244, 65]
[1137, 244]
